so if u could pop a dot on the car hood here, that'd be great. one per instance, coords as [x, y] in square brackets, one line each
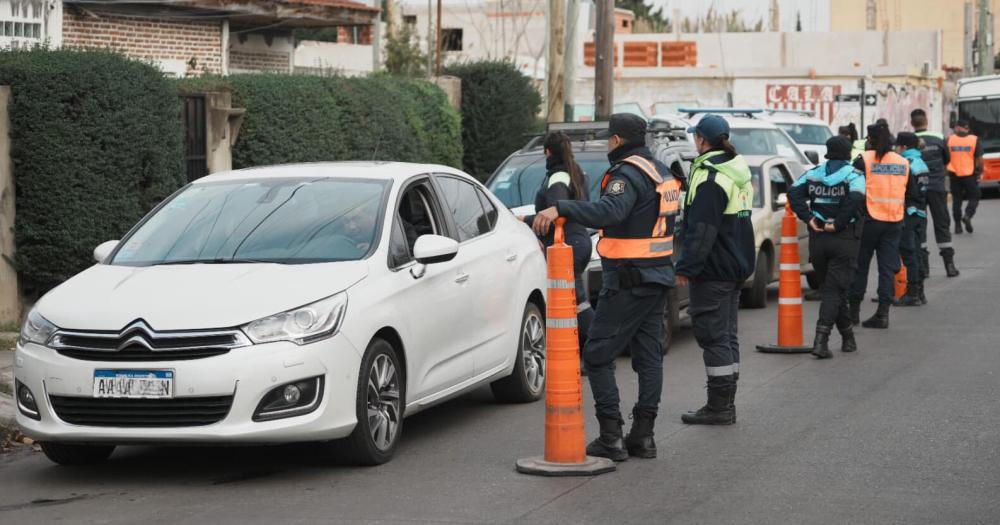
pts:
[191, 297]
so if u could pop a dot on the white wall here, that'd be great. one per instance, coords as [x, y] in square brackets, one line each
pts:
[330, 57]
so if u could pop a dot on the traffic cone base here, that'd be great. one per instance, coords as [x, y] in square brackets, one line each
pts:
[789, 292]
[565, 452]
[590, 466]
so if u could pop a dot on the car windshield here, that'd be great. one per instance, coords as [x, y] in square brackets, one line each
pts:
[764, 141]
[517, 181]
[984, 121]
[279, 220]
[811, 134]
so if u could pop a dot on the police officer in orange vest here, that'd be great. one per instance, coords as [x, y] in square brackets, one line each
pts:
[887, 178]
[964, 170]
[638, 205]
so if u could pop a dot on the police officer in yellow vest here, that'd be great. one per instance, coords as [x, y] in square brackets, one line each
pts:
[965, 168]
[717, 257]
[639, 202]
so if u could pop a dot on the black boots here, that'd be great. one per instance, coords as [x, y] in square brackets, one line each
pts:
[949, 266]
[639, 441]
[855, 308]
[958, 226]
[967, 221]
[880, 319]
[717, 411]
[609, 444]
[912, 297]
[849, 344]
[821, 345]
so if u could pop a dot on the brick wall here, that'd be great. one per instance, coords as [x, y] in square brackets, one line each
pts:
[196, 42]
[240, 60]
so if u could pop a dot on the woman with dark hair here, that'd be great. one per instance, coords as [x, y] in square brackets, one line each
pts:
[887, 180]
[564, 180]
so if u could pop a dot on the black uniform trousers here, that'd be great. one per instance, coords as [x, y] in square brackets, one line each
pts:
[631, 319]
[834, 257]
[937, 205]
[713, 308]
[913, 248]
[962, 189]
[879, 239]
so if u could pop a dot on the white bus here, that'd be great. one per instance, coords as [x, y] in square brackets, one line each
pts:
[978, 102]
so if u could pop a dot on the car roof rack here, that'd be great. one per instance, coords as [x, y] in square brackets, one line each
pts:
[662, 128]
[803, 112]
[744, 112]
[577, 132]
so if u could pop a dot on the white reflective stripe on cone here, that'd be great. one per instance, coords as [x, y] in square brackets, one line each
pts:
[716, 371]
[795, 266]
[789, 300]
[560, 323]
[789, 240]
[582, 306]
[560, 283]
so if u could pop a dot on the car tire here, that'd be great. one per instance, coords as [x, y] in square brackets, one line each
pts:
[382, 389]
[527, 382]
[671, 320]
[812, 279]
[76, 454]
[756, 295]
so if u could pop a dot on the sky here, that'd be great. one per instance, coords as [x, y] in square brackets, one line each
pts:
[815, 13]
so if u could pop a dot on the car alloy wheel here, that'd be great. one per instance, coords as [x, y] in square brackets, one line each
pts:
[383, 402]
[533, 352]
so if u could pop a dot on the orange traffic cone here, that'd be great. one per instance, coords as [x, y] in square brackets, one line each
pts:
[901, 281]
[789, 292]
[565, 452]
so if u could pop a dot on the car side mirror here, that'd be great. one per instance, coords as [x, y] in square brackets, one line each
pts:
[781, 200]
[431, 249]
[813, 157]
[104, 249]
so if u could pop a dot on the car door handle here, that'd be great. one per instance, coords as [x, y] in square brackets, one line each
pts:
[511, 257]
[462, 277]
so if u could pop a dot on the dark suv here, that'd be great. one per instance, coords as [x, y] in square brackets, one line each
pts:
[516, 181]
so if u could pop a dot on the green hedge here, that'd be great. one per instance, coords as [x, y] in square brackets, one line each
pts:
[499, 107]
[96, 142]
[300, 118]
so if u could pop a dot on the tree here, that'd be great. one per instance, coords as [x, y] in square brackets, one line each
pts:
[402, 54]
[647, 19]
[798, 21]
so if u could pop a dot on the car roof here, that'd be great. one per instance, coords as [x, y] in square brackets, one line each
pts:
[373, 170]
[795, 118]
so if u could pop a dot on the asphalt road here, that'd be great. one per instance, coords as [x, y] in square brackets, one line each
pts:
[905, 431]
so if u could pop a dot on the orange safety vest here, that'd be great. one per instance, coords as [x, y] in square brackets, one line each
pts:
[963, 154]
[660, 242]
[885, 185]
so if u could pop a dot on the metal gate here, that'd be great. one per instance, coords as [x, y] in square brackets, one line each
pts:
[195, 142]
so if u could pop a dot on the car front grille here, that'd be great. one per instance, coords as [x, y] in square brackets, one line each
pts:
[138, 342]
[177, 412]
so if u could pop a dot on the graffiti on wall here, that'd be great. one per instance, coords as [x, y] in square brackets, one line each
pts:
[895, 102]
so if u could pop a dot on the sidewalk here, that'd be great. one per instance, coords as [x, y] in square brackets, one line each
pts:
[6, 383]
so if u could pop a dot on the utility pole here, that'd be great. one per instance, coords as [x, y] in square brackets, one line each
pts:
[430, 32]
[557, 51]
[967, 48]
[604, 65]
[774, 17]
[437, 42]
[569, 83]
[984, 40]
[390, 18]
[871, 16]
[376, 38]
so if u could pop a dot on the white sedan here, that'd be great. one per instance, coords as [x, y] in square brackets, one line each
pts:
[316, 302]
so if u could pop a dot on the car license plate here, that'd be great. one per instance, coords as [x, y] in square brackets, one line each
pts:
[134, 384]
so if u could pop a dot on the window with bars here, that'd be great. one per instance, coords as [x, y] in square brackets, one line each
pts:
[21, 22]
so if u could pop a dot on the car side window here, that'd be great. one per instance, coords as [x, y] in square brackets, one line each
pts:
[780, 180]
[491, 210]
[414, 217]
[462, 201]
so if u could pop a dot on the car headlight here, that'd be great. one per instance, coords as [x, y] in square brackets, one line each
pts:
[36, 329]
[306, 324]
